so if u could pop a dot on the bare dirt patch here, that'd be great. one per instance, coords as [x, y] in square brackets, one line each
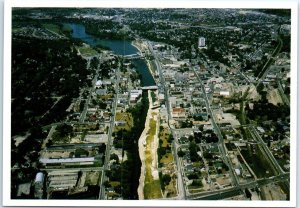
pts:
[92, 178]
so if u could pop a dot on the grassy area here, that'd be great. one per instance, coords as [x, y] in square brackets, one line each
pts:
[195, 190]
[152, 66]
[105, 97]
[256, 164]
[53, 28]
[171, 188]
[164, 134]
[87, 51]
[115, 183]
[151, 131]
[165, 161]
[127, 117]
[112, 194]
[152, 187]
[152, 190]
[167, 158]
[92, 178]
[197, 164]
[67, 28]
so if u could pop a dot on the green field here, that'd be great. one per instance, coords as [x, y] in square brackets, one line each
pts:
[167, 158]
[53, 28]
[87, 51]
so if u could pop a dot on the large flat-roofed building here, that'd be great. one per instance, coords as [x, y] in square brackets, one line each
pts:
[67, 161]
[62, 180]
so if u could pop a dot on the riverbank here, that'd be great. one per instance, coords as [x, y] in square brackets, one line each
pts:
[149, 186]
[142, 47]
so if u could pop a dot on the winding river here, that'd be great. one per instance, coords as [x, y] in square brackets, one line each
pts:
[119, 47]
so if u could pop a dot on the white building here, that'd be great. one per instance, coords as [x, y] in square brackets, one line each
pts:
[135, 94]
[201, 42]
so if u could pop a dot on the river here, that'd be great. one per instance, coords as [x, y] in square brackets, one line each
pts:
[119, 47]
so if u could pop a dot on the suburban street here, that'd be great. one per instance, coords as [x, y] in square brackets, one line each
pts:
[110, 140]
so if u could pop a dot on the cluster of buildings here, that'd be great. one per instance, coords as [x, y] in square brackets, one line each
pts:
[40, 33]
[201, 90]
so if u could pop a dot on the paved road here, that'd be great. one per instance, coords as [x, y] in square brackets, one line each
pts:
[282, 94]
[48, 137]
[110, 141]
[218, 133]
[180, 183]
[223, 193]
[267, 151]
[266, 68]
[91, 90]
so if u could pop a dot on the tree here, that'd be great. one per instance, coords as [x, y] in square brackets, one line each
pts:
[180, 153]
[106, 184]
[224, 166]
[166, 179]
[94, 63]
[114, 157]
[64, 130]
[198, 118]
[260, 87]
[198, 137]
[170, 138]
[193, 176]
[248, 193]
[81, 152]
[161, 151]
[193, 152]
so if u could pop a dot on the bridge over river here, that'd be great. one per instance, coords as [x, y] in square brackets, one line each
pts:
[133, 56]
[154, 87]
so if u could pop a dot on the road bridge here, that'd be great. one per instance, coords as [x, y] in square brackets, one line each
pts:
[133, 56]
[154, 87]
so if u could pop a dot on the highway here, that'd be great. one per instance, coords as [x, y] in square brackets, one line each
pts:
[266, 67]
[258, 138]
[282, 94]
